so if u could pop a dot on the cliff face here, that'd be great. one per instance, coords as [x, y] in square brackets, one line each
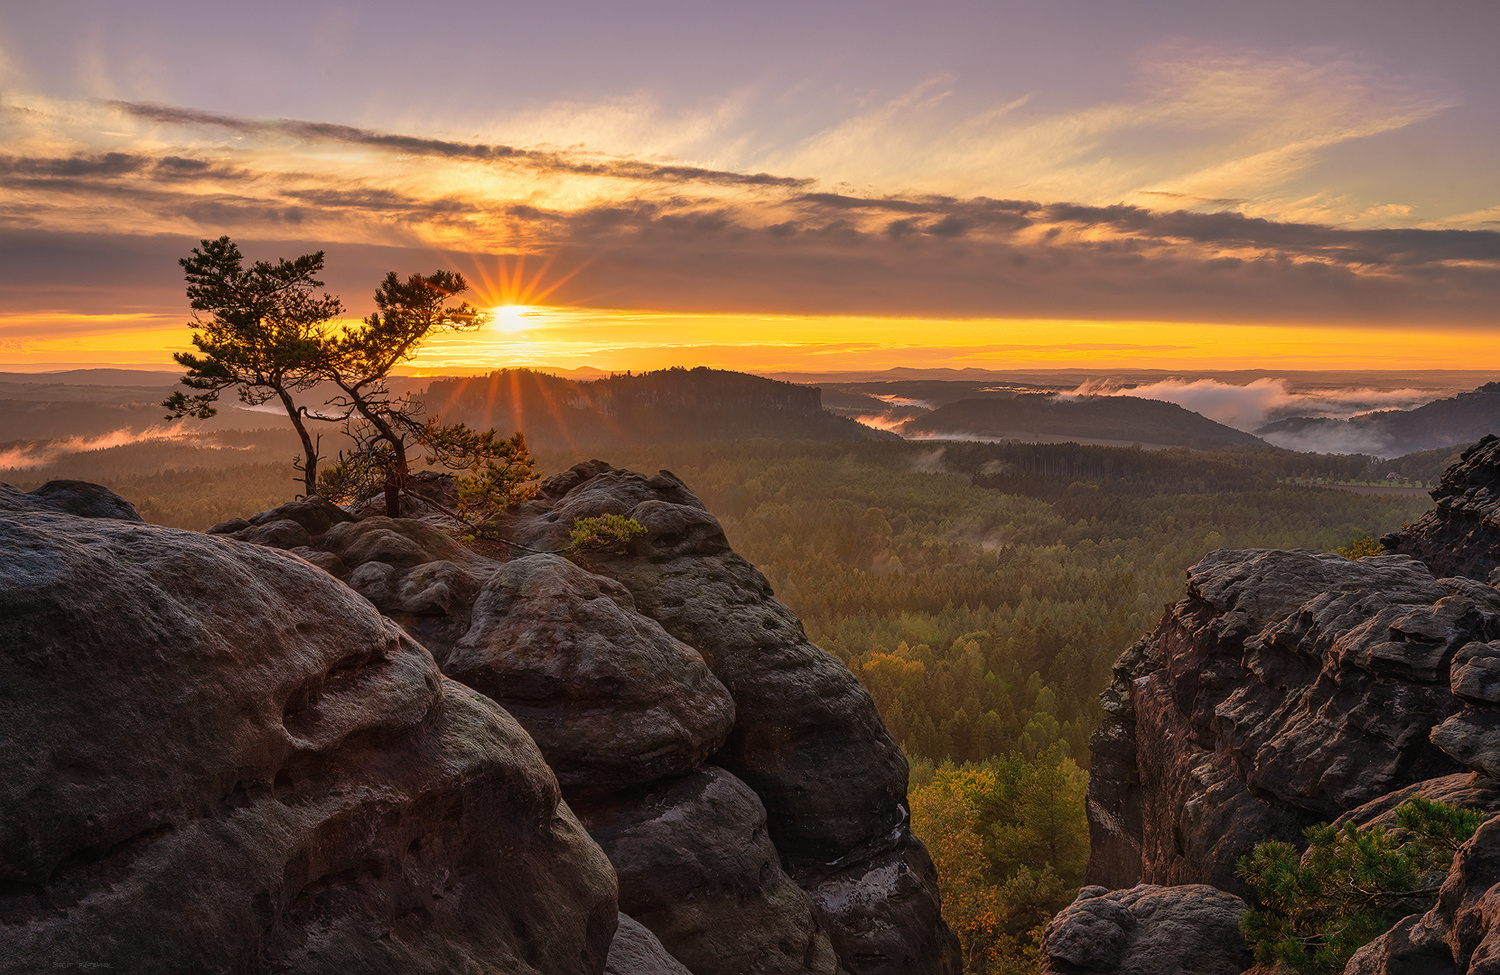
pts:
[1461, 536]
[204, 727]
[1290, 688]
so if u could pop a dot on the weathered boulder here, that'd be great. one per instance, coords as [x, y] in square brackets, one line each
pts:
[620, 667]
[78, 498]
[218, 758]
[806, 739]
[697, 867]
[1147, 930]
[611, 698]
[413, 572]
[636, 951]
[1461, 535]
[1285, 689]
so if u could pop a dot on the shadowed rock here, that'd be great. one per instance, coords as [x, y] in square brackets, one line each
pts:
[611, 697]
[78, 498]
[806, 739]
[1460, 934]
[697, 867]
[636, 951]
[1461, 535]
[1285, 689]
[620, 669]
[1147, 930]
[218, 758]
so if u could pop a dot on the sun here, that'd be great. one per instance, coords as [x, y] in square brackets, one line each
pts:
[513, 318]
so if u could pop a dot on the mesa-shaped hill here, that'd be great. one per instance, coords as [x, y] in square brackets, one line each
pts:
[1113, 419]
[668, 405]
[1459, 419]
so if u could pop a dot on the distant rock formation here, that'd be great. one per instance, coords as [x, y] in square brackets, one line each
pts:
[356, 758]
[1290, 688]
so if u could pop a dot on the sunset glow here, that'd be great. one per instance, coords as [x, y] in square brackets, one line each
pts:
[1196, 191]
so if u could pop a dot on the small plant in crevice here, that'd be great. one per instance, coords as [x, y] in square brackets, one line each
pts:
[603, 533]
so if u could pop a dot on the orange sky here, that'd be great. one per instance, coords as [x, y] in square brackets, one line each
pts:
[1172, 189]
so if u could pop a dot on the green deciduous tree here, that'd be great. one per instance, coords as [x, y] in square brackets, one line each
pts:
[261, 330]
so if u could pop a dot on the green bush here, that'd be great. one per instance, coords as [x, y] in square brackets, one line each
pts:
[1361, 548]
[604, 533]
[1319, 907]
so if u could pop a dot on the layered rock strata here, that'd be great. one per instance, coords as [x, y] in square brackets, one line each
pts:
[1285, 689]
[1461, 535]
[1289, 688]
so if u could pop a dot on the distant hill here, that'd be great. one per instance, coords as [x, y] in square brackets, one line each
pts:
[1460, 419]
[1118, 419]
[654, 407]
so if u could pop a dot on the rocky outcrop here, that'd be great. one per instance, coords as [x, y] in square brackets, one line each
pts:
[697, 867]
[1285, 689]
[737, 776]
[1290, 688]
[806, 737]
[611, 697]
[79, 498]
[218, 758]
[1147, 930]
[636, 951]
[1461, 535]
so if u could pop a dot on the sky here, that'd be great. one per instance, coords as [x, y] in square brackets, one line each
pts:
[778, 186]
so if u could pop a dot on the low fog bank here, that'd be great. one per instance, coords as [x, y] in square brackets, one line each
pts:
[1253, 405]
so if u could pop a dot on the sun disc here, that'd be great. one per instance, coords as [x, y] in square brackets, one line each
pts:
[513, 318]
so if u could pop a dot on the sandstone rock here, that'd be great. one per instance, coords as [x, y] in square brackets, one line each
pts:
[636, 951]
[218, 758]
[1476, 673]
[807, 738]
[697, 867]
[414, 573]
[611, 697]
[1147, 930]
[1468, 790]
[1285, 689]
[79, 498]
[1461, 535]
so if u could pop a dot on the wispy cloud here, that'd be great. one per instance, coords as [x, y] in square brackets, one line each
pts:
[640, 233]
[1208, 127]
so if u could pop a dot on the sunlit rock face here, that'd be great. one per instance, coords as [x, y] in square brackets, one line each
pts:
[738, 776]
[219, 758]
